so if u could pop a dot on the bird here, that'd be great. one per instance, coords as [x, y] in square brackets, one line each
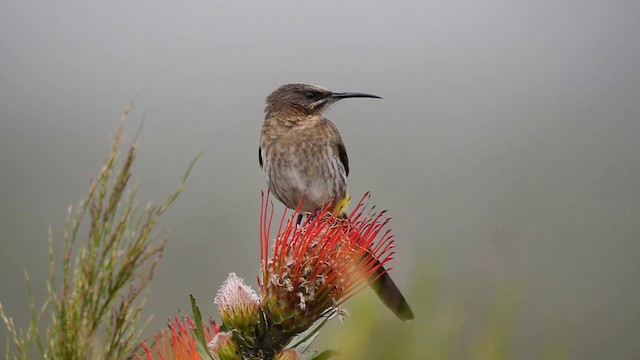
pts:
[305, 164]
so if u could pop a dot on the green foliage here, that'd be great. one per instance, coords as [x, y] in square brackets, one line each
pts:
[95, 309]
[198, 332]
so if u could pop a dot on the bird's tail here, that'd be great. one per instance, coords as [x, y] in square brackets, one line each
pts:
[381, 282]
[387, 290]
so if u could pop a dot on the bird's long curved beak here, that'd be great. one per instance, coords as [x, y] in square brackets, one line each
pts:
[344, 95]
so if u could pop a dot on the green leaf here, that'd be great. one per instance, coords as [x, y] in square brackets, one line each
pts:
[303, 340]
[203, 349]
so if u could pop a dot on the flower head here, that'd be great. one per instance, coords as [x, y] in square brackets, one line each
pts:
[239, 306]
[181, 343]
[224, 347]
[317, 266]
[288, 354]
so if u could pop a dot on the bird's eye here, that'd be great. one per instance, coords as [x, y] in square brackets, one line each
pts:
[310, 95]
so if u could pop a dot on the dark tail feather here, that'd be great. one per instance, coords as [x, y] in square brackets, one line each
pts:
[390, 295]
[385, 288]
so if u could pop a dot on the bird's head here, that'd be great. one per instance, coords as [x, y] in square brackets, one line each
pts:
[306, 98]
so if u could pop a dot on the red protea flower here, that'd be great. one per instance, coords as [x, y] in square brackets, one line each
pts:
[181, 343]
[317, 266]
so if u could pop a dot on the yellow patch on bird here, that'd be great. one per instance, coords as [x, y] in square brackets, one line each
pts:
[342, 205]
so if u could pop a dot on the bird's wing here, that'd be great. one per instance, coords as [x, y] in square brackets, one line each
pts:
[336, 141]
[344, 159]
[260, 156]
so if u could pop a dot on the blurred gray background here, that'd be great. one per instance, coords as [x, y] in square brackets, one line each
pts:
[506, 147]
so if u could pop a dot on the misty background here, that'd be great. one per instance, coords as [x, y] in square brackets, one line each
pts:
[505, 148]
